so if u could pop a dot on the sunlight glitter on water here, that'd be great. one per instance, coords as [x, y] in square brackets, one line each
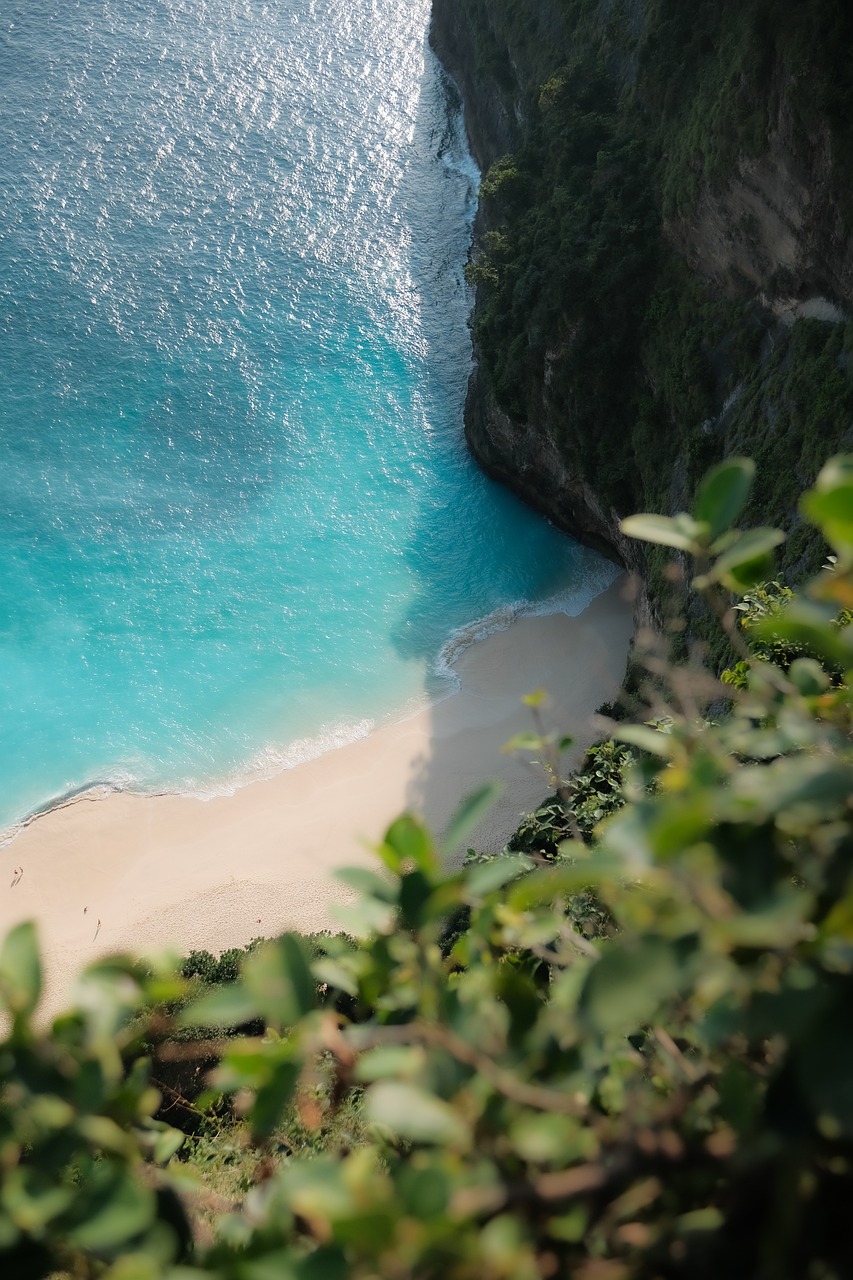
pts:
[238, 518]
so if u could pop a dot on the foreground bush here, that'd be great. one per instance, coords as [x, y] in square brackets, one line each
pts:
[674, 1098]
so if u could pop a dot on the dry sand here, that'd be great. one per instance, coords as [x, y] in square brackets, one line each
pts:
[129, 872]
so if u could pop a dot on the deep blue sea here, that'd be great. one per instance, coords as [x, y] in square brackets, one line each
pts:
[238, 523]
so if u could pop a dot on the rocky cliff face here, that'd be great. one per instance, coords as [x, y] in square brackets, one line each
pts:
[499, 80]
[776, 229]
[751, 231]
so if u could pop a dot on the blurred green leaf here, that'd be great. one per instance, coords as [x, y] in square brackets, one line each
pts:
[364, 917]
[32, 1200]
[829, 504]
[136, 1266]
[113, 1208]
[390, 1060]
[647, 739]
[278, 977]
[271, 1098]
[413, 1114]
[723, 493]
[165, 1141]
[526, 741]
[483, 880]
[746, 556]
[407, 841]
[20, 970]
[626, 987]
[226, 1006]
[337, 974]
[659, 529]
[808, 676]
[470, 814]
[368, 883]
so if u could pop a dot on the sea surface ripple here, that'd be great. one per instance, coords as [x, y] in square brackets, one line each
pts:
[238, 522]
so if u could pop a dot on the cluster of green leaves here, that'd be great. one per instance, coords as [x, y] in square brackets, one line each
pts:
[592, 793]
[667, 1096]
[82, 1177]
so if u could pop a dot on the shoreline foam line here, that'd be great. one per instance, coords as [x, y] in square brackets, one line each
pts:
[273, 759]
[137, 872]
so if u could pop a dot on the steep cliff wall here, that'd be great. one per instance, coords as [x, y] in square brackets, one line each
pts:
[664, 258]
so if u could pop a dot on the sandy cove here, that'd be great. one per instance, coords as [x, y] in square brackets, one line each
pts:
[131, 872]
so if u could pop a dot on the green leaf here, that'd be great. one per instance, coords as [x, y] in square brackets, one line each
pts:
[103, 1132]
[114, 1207]
[226, 1006]
[722, 494]
[545, 1138]
[659, 529]
[415, 897]
[808, 676]
[626, 987]
[272, 1097]
[390, 1060]
[488, 877]
[470, 814]
[407, 842]
[549, 883]
[819, 788]
[414, 1114]
[527, 741]
[809, 625]
[20, 970]
[823, 1061]
[31, 1199]
[277, 1264]
[781, 923]
[647, 739]
[538, 698]
[749, 549]
[679, 822]
[336, 974]
[361, 919]
[135, 1266]
[425, 1191]
[829, 504]
[162, 1140]
[367, 883]
[278, 977]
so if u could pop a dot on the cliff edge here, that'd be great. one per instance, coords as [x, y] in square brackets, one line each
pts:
[663, 254]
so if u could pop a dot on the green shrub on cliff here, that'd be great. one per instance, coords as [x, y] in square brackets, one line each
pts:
[668, 1097]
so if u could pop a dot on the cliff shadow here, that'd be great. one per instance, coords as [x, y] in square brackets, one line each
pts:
[476, 553]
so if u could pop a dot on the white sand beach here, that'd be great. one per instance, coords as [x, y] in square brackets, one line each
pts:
[131, 872]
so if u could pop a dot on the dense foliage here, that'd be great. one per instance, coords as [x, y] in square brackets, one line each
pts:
[667, 1095]
[588, 321]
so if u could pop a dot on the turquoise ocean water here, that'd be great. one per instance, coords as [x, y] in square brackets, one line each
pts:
[237, 521]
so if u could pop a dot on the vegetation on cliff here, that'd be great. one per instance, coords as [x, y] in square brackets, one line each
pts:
[657, 1087]
[675, 177]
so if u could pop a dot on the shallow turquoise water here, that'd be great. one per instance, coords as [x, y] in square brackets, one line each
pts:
[238, 521]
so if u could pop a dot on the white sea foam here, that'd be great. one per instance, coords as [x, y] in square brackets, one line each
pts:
[273, 760]
[114, 781]
[267, 763]
[572, 601]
